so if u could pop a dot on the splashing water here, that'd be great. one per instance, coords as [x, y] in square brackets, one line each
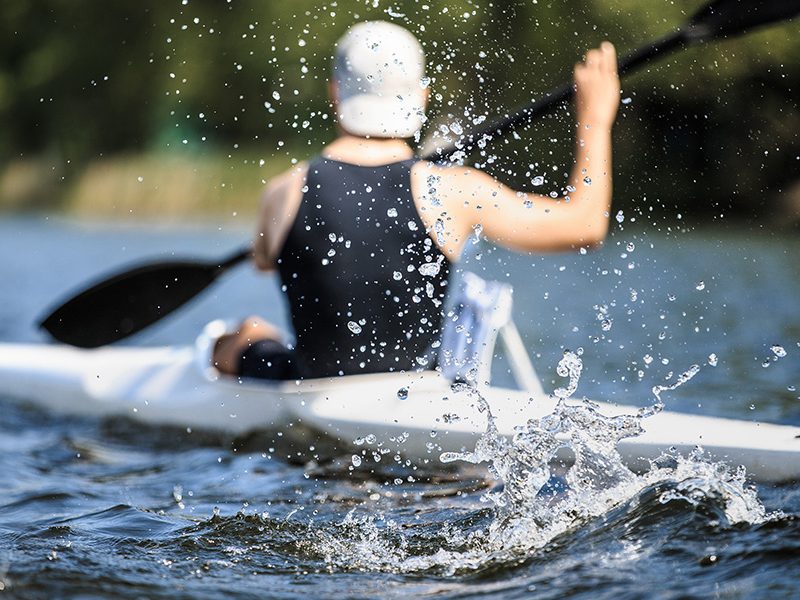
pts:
[527, 510]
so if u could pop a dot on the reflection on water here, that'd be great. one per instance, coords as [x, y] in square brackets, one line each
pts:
[113, 508]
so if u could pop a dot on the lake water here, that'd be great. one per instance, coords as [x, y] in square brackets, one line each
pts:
[110, 508]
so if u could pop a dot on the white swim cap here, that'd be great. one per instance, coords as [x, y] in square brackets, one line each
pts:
[379, 68]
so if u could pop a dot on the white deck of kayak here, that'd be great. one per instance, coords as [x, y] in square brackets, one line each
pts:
[176, 386]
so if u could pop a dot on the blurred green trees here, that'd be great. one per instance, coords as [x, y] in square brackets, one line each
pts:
[245, 80]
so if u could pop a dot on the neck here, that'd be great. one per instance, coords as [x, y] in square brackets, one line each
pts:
[367, 151]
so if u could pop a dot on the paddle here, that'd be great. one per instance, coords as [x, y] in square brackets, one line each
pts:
[719, 19]
[119, 306]
[123, 304]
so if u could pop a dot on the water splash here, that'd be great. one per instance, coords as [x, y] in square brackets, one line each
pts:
[527, 511]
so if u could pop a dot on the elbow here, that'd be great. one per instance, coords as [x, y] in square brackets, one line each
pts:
[595, 237]
[260, 258]
[262, 264]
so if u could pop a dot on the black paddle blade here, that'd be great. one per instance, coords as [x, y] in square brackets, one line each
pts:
[728, 18]
[124, 304]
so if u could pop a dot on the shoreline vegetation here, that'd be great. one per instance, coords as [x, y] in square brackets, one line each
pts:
[171, 187]
[191, 97]
[163, 186]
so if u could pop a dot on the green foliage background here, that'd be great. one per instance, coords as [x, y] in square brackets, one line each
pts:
[228, 92]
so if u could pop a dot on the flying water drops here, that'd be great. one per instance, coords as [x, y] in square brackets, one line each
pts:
[778, 350]
[477, 229]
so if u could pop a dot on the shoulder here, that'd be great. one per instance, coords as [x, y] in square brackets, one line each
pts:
[285, 184]
[455, 186]
[448, 172]
[451, 177]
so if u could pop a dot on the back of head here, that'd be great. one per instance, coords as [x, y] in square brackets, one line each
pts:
[378, 69]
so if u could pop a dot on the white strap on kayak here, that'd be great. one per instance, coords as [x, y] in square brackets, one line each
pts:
[482, 311]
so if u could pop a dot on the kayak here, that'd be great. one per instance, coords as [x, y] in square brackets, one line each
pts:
[418, 414]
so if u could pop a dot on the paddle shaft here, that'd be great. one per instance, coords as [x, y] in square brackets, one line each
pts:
[717, 19]
[238, 257]
[524, 115]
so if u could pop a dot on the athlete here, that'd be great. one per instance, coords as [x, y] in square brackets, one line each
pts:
[364, 236]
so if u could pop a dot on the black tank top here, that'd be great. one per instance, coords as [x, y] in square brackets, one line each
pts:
[365, 281]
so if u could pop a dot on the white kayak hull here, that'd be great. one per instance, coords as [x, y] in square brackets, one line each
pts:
[175, 386]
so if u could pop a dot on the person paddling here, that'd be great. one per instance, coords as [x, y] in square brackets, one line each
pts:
[364, 236]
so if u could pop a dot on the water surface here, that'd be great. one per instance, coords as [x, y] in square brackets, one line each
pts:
[111, 508]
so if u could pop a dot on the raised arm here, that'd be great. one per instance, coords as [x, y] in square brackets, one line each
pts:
[532, 222]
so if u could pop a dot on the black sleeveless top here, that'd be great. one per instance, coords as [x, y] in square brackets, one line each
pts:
[365, 281]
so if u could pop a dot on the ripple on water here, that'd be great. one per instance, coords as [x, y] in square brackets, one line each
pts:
[109, 522]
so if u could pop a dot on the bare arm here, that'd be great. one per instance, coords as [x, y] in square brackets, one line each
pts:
[279, 205]
[532, 222]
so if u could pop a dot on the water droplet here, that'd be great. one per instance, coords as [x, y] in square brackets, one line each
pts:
[429, 269]
[402, 393]
[332, 237]
[397, 275]
[438, 229]
[778, 350]
[713, 360]
[356, 460]
[538, 180]
[354, 327]
[477, 229]
[588, 181]
[620, 216]
[391, 212]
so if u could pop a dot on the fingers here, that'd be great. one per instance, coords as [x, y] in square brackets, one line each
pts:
[594, 58]
[609, 57]
[602, 59]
